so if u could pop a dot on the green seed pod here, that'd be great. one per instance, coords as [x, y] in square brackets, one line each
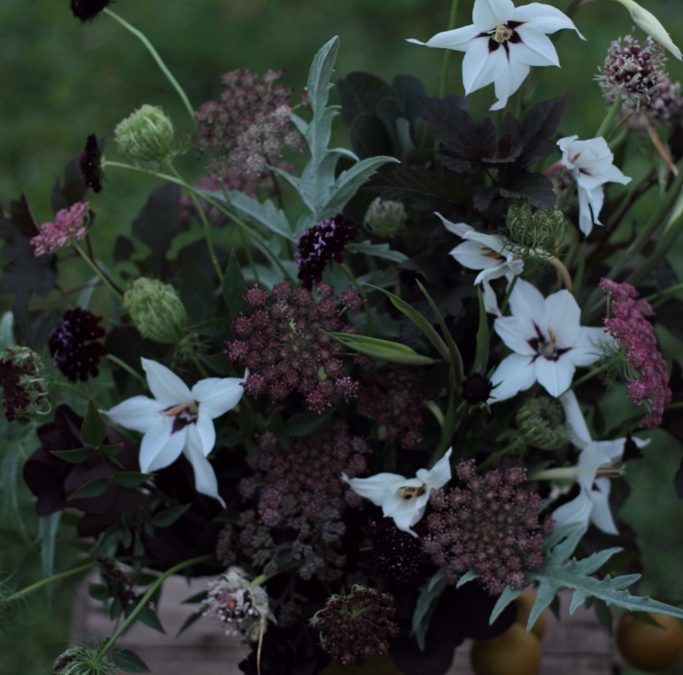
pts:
[541, 423]
[535, 228]
[385, 218]
[156, 310]
[147, 135]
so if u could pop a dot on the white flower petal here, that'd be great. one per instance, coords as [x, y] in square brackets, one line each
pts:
[375, 488]
[439, 474]
[137, 413]
[580, 435]
[597, 454]
[526, 301]
[457, 39]
[562, 315]
[217, 395]
[544, 18]
[515, 332]
[590, 346]
[576, 512]
[490, 299]
[459, 229]
[601, 515]
[509, 80]
[170, 452]
[586, 217]
[204, 476]
[538, 48]
[474, 256]
[406, 512]
[166, 386]
[487, 14]
[480, 67]
[515, 373]
[154, 440]
[206, 431]
[554, 375]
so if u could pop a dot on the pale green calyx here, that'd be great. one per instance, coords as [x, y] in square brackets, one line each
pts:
[156, 310]
[541, 423]
[146, 135]
[385, 218]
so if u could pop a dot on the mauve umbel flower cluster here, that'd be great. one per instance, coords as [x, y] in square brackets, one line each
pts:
[283, 343]
[649, 383]
[491, 525]
[299, 501]
[357, 625]
[247, 129]
[70, 225]
[394, 398]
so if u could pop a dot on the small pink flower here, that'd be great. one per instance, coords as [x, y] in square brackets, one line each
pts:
[70, 225]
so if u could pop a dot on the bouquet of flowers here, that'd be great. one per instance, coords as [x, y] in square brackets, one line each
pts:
[385, 395]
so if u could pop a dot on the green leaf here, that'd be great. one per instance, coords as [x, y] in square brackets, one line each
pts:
[320, 75]
[129, 661]
[7, 330]
[233, 286]
[304, 424]
[130, 479]
[387, 350]
[188, 622]
[93, 488]
[425, 606]
[150, 618]
[75, 456]
[48, 528]
[169, 516]
[377, 251]
[93, 429]
[481, 357]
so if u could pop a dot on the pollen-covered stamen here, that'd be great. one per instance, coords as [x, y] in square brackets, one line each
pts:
[503, 35]
[546, 346]
[410, 492]
[182, 414]
[490, 253]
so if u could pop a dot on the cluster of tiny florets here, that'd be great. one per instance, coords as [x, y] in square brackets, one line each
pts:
[394, 398]
[627, 323]
[283, 342]
[491, 525]
[321, 244]
[247, 129]
[22, 384]
[70, 224]
[357, 625]
[74, 345]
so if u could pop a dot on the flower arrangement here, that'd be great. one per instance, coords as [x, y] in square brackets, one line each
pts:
[371, 396]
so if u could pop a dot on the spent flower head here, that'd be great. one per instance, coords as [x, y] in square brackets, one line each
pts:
[70, 225]
[540, 422]
[385, 218]
[84, 660]
[535, 230]
[75, 344]
[22, 383]
[147, 135]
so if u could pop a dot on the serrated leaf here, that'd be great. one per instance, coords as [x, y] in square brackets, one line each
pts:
[386, 350]
[320, 74]
[129, 661]
[508, 596]
[93, 428]
[167, 517]
[425, 606]
[382, 251]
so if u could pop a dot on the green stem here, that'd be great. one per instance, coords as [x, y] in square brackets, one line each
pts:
[68, 387]
[447, 52]
[662, 295]
[159, 61]
[591, 374]
[606, 124]
[44, 582]
[675, 406]
[127, 368]
[142, 603]
[98, 271]
[561, 473]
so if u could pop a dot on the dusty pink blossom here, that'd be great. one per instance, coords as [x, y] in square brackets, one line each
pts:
[69, 225]
[629, 326]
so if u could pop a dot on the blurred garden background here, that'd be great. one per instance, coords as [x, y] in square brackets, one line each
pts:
[61, 80]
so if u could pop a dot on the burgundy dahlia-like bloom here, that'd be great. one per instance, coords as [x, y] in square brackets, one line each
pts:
[74, 345]
[283, 343]
[23, 387]
[320, 245]
[85, 10]
[649, 383]
[491, 525]
[358, 625]
[70, 224]
[90, 164]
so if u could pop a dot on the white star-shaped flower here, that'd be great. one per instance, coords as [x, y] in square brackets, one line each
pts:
[179, 420]
[548, 342]
[403, 499]
[486, 252]
[502, 43]
[591, 165]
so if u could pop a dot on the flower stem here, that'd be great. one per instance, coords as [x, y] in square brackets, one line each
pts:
[591, 374]
[142, 603]
[663, 295]
[606, 124]
[447, 52]
[48, 580]
[159, 61]
[561, 473]
[123, 365]
[98, 271]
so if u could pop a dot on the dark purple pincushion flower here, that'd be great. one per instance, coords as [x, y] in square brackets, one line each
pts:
[357, 625]
[492, 526]
[320, 245]
[90, 164]
[283, 342]
[85, 10]
[635, 334]
[74, 345]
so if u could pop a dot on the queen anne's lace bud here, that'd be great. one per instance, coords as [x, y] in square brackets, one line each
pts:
[84, 661]
[156, 310]
[535, 229]
[22, 383]
[541, 423]
[385, 218]
[146, 135]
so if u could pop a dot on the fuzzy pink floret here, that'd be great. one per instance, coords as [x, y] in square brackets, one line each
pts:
[69, 225]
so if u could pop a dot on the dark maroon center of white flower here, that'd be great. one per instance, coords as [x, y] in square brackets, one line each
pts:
[546, 346]
[183, 414]
[503, 35]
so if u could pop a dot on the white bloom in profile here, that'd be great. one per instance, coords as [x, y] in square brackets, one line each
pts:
[486, 252]
[591, 165]
[179, 420]
[591, 505]
[403, 499]
[547, 340]
[502, 44]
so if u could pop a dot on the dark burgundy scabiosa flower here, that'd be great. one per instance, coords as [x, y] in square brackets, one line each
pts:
[358, 625]
[649, 375]
[320, 245]
[476, 389]
[85, 10]
[394, 398]
[490, 525]
[74, 345]
[90, 164]
[282, 341]
[22, 384]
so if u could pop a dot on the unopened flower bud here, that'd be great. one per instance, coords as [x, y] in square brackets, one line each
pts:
[156, 310]
[146, 135]
[84, 660]
[385, 218]
[533, 228]
[541, 423]
[23, 385]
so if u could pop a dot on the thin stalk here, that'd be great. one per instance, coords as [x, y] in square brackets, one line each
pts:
[675, 406]
[44, 582]
[66, 386]
[452, 19]
[663, 295]
[591, 374]
[123, 365]
[159, 61]
[98, 271]
[606, 124]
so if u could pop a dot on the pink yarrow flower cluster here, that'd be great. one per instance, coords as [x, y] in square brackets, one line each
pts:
[70, 225]
[629, 326]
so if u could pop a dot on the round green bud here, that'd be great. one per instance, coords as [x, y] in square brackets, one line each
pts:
[385, 218]
[541, 423]
[84, 661]
[535, 228]
[147, 135]
[156, 310]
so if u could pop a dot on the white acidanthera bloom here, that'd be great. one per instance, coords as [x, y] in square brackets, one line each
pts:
[403, 499]
[547, 340]
[179, 420]
[591, 165]
[486, 252]
[502, 44]
[591, 505]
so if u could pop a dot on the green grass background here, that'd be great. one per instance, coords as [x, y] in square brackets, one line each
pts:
[60, 80]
